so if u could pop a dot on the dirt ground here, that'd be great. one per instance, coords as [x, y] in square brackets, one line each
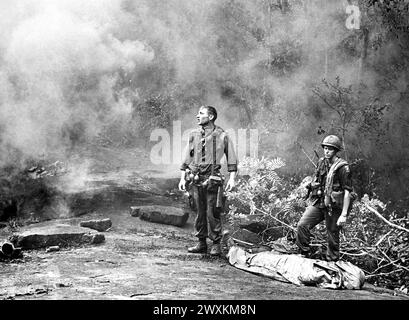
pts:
[143, 260]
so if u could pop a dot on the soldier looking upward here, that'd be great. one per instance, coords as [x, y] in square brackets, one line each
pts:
[201, 167]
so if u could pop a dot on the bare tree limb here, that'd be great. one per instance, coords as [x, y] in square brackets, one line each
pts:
[382, 274]
[383, 238]
[385, 265]
[363, 253]
[393, 263]
[385, 220]
[243, 242]
[326, 101]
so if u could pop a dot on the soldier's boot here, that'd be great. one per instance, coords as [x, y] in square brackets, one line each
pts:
[201, 247]
[215, 250]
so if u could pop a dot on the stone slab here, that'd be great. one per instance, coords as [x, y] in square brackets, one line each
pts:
[162, 214]
[135, 211]
[97, 224]
[62, 235]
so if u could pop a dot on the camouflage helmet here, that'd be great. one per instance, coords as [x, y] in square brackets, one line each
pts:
[332, 141]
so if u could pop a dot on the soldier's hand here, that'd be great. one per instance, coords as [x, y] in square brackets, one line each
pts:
[341, 221]
[182, 185]
[230, 184]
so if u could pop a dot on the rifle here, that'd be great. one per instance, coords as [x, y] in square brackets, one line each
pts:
[312, 186]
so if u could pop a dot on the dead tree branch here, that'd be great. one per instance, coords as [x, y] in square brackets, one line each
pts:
[385, 220]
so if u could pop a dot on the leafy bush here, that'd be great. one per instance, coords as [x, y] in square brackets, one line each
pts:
[260, 189]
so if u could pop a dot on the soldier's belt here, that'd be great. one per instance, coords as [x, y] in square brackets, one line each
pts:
[216, 178]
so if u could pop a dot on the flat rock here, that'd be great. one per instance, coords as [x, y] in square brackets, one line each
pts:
[162, 214]
[135, 211]
[98, 224]
[47, 235]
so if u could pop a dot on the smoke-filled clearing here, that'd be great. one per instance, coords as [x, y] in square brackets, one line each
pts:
[75, 72]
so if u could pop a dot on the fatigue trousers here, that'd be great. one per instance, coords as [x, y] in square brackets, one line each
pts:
[208, 220]
[311, 217]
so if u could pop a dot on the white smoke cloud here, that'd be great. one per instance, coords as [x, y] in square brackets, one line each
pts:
[58, 67]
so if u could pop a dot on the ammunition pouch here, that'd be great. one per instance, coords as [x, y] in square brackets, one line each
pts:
[316, 189]
[317, 192]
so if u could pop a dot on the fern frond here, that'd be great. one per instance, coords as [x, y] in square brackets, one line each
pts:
[275, 164]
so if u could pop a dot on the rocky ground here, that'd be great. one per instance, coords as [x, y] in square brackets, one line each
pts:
[141, 259]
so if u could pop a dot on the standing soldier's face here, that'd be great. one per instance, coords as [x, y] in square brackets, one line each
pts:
[329, 152]
[203, 116]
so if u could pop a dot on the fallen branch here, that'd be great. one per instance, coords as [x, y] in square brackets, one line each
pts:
[243, 242]
[383, 238]
[385, 265]
[287, 225]
[382, 274]
[355, 254]
[385, 220]
[362, 253]
[393, 263]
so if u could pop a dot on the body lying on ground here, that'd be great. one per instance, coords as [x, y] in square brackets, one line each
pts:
[294, 268]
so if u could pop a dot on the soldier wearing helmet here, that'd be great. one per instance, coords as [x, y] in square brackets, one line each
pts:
[332, 141]
[330, 199]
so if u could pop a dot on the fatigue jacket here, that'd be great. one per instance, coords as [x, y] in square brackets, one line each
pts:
[206, 148]
[341, 181]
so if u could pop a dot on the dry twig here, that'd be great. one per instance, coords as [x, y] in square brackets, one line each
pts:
[282, 222]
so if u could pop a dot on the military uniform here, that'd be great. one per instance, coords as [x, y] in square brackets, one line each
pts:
[205, 150]
[318, 211]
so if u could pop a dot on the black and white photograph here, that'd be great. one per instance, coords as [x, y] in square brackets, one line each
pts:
[204, 156]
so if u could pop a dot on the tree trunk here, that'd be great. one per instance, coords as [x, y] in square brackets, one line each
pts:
[284, 5]
[364, 52]
[249, 114]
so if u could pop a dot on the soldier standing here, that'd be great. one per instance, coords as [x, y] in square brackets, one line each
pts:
[202, 163]
[330, 195]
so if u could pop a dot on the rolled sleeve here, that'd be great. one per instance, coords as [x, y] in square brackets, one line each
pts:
[345, 178]
[188, 153]
[230, 154]
[232, 167]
